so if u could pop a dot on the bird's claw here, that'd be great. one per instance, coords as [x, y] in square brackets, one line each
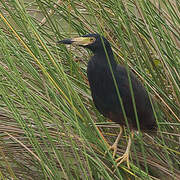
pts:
[123, 158]
[114, 148]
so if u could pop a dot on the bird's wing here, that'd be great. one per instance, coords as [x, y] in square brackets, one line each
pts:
[139, 92]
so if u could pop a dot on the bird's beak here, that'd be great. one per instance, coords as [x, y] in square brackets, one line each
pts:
[80, 41]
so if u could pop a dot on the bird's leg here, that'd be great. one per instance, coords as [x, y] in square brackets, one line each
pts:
[125, 156]
[114, 146]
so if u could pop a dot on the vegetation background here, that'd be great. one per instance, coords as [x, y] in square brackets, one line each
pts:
[48, 123]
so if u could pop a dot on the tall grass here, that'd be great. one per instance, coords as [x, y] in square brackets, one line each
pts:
[48, 123]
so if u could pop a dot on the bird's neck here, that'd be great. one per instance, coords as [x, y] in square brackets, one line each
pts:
[105, 59]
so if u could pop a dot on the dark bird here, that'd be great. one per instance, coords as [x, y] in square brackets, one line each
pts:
[111, 92]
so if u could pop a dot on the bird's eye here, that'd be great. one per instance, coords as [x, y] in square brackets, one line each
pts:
[92, 39]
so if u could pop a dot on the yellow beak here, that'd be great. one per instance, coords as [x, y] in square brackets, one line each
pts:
[80, 41]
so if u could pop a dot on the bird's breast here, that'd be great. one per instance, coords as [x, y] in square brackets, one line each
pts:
[100, 78]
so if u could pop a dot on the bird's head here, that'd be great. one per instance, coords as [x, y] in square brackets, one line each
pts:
[94, 42]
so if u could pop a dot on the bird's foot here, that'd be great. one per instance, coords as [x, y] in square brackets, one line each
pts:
[114, 148]
[123, 158]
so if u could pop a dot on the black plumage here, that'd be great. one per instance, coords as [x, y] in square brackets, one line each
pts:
[100, 68]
